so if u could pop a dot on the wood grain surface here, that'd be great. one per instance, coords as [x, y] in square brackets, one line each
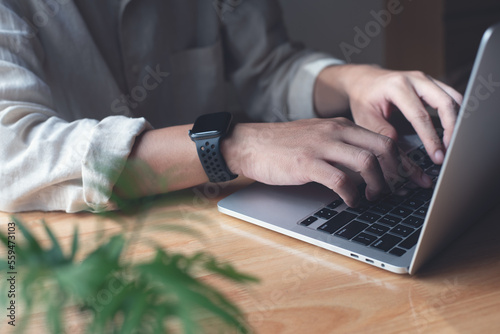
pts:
[303, 288]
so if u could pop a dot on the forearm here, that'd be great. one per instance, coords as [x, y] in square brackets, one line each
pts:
[331, 89]
[165, 160]
[161, 161]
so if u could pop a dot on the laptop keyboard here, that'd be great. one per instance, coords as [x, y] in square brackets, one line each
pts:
[391, 224]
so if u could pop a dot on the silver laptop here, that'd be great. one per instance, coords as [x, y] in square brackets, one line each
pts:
[402, 231]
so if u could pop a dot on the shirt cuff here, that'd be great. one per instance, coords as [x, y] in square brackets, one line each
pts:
[301, 95]
[111, 142]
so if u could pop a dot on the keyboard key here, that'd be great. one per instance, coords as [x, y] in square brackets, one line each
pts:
[420, 157]
[364, 238]
[386, 242]
[393, 200]
[401, 212]
[351, 229]
[413, 221]
[404, 192]
[425, 163]
[337, 222]
[325, 213]
[434, 170]
[411, 185]
[359, 209]
[369, 217]
[389, 220]
[413, 203]
[381, 208]
[402, 230]
[424, 194]
[377, 229]
[363, 204]
[422, 211]
[397, 184]
[335, 204]
[417, 155]
[308, 221]
[411, 240]
[397, 251]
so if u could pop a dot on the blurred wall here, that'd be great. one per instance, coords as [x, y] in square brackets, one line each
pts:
[334, 27]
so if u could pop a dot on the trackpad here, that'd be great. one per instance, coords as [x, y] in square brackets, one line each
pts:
[278, 204]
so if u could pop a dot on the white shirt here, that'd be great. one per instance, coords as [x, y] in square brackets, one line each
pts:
[69, 118]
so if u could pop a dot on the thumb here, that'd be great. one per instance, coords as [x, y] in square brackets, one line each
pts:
[386, 129]
[381, 126]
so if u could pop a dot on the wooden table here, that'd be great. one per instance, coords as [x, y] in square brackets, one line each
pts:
[303, 288]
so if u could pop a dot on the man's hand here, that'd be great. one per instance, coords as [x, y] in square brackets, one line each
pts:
[314, 150]
[373, 94]
[319, 150]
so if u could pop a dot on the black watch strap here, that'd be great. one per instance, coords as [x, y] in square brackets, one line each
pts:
[212, 160]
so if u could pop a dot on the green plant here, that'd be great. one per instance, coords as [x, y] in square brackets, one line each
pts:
[143, 297]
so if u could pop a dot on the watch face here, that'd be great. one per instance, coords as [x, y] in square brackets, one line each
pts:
[211, 125]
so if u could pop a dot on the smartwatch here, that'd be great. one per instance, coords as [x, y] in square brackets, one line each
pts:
[207, 132]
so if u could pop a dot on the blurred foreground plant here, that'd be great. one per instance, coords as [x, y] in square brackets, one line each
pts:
[120, 297]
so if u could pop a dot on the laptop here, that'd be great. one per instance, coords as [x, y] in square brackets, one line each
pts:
[405, 229]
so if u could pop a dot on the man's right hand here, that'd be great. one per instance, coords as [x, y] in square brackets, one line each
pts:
[319, 150]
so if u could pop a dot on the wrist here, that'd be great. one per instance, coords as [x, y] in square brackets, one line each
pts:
[239, 147]
[230, 149]
[329, 94]
[334, 86]
[208, 132]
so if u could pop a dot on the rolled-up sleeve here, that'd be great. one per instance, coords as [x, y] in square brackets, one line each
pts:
[46, 162]
[300, 98]
[273, 77]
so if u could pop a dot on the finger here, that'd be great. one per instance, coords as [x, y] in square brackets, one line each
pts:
[458, 98]
[394, 163]
[384, 128]
[333, 178]
[408, 101]
[380, 125]
[440, 100]
[409, 170]
[362, 161]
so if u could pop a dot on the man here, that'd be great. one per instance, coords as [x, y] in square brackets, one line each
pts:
[93, 91]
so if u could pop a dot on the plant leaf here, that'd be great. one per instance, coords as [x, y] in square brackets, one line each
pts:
[191, 293]
[86, 279]
[54, 313]
[33, 248]
[74, 244]
[55, 254]
[228, 271]
[144, 296]
[136, 314]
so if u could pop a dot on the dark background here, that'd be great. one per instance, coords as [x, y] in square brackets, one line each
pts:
[439, 37]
